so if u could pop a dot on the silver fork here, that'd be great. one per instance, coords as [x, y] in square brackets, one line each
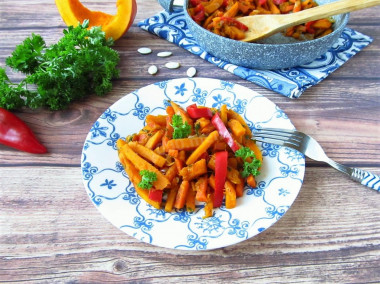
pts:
[311, 148]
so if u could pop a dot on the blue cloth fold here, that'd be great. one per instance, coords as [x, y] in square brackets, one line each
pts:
[290, 82]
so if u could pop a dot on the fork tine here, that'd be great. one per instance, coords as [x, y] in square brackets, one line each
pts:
[277, 142]
[279, 136]
[280, 132]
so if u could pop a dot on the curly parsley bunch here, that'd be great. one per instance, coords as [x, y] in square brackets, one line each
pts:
[81, 63]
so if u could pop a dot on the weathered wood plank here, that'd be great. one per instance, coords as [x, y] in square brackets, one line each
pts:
[52, 232]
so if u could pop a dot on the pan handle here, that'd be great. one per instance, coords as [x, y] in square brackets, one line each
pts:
[169, 5]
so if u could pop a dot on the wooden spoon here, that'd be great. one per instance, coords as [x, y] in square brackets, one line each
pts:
[261, 26]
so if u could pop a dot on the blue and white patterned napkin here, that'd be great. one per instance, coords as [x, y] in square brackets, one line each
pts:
[290, 82]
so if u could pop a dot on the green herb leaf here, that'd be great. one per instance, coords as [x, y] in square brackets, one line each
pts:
[147, 179]
[181, 130]
[79, 64]
[251, 163]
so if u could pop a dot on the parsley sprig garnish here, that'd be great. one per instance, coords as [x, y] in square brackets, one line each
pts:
[181, 130]
[147, 179]
[79, 64]
[251, 163]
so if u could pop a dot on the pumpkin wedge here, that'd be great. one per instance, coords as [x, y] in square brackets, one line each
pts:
[74, 12]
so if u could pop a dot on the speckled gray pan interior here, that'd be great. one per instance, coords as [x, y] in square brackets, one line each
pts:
[275, 52]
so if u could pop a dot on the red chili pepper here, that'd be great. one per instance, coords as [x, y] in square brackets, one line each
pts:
[155, 194]
[234, 22]
[309, 27]
[195, 112]
[194, 3]
[225, 3]
[221, 159]
[16, 134]
[219, 125]
[199, 11]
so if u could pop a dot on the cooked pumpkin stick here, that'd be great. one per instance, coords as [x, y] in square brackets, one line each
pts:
[156, 120]
[251, 181]
[211, 181]
[180, 160]
[236, 128]
[155, 139]
[234, 115]
[171, 172]
[135, 177]
[148, 154]
[322, 24]
[207, 143]
[190, 198]
[194, 170]
[171, 197]
[223, 113]
[141, 164]
[230, 194]
[201, 186]
[239, 188]
[181, 194]
[209, 206]
[232, 11]
[186, 144]
[119, 143]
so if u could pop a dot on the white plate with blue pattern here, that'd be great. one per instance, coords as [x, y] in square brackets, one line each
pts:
[114, 196]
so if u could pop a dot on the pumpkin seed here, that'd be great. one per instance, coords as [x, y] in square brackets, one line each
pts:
[172, 65]
[191, 72]
[152, 69]
[164, 54]
[144, 50]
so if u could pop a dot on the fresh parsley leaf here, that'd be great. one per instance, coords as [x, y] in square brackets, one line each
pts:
[251, 165]
[147, 179]
[244, 153]
[12, 95]
[181, 130]
[27, 56]
[81, 63]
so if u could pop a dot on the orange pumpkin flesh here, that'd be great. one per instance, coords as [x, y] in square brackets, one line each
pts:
[115, 26]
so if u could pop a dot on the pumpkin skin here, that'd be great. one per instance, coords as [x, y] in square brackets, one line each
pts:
[74, 12]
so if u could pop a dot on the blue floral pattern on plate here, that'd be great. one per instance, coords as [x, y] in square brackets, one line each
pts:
[113, 194]
[290, 82]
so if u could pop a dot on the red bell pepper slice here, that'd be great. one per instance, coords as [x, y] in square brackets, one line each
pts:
[219, 125]
[194, 3]
[278, 2]
[16, 134]
[234, 22]
[221, 160]
[155, 194]
[309, 27]
[199, 11]
[196, 112]
[262, 2]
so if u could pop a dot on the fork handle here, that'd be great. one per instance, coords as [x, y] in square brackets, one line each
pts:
[366, 178]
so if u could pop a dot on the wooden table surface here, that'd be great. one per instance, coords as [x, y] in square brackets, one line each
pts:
[50, 231]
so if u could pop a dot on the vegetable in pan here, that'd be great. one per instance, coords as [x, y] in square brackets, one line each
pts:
[219, 16]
